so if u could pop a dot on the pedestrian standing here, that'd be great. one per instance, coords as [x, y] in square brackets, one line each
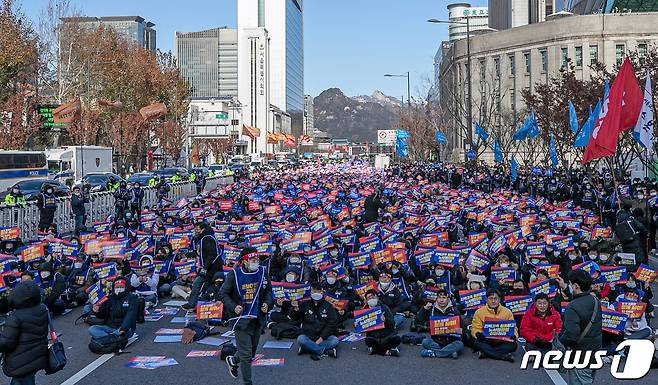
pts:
[78, 201]
[581, 330]
[247, 292]
[24, 339]
[47, 204]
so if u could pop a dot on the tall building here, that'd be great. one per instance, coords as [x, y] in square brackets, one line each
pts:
[508, 62]
[208, 60]
[309, 119]
[133, 28]
[284, 22]
[506, 14]
[459, 13]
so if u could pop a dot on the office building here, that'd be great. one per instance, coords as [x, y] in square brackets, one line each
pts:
[459, 13]
[133, 28]
[208, 60]
[284, 22]
[507, 62]
[309, 120]
[506, 14]
[585, 7]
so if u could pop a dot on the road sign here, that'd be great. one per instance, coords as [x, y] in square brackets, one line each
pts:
[386, 137]
[222, 115]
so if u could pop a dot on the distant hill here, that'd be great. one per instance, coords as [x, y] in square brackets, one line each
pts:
[354, 118]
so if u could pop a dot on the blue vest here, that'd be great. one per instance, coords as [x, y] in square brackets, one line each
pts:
[78, 278]
[249, 286]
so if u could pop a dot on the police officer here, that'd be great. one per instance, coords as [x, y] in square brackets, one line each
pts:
[15, 197]
[112, 184]
[176, 178]
[47, 204]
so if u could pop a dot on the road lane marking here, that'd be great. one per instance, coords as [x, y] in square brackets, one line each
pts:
[74, 379]
[554, 375]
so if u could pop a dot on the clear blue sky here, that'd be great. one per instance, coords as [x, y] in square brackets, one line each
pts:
[349, 44]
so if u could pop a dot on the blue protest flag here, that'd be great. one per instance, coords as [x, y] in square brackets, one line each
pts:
[441, 137]
[533, 129]
[586, 131]
[498, 153]
[401, 143]
[514, 169]
[481, 132]
[552, 152]
[573, 118]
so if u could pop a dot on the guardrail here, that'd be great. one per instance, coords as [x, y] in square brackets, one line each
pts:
[100, 206]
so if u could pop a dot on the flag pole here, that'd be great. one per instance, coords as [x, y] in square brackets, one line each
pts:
[614, 183]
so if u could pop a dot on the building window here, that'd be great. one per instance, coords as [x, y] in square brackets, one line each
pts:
[512, 65]
[497, 67]
[593, 55]
[642, 51]
[483, 69]
[526, 58]
[564, 57]
[579, 57]
[512, 99]
[544, 60]
[620, 52]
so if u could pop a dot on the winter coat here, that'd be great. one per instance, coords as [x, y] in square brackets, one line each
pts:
[576, 317]
[120, 311]
[501, 313]
[423, 318]
[372, 206]
[534, 326]
[24, 340]
[207, 251]
[318, 319]
[389, 324]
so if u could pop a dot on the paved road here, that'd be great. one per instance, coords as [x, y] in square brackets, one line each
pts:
[353, 367]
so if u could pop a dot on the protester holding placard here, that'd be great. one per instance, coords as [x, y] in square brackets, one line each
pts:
[119, 312]
[489, 347]
[318, 325]
[390, 295]
[540, 323]
[637, 327]
[53, 285]
[383, 341]
[444, 343]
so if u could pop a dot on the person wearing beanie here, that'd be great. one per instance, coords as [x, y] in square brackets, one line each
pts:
[248, 294]
[119, 312]
[209, 261]
[53, 285]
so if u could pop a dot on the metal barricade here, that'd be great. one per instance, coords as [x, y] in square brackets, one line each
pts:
[100, 206]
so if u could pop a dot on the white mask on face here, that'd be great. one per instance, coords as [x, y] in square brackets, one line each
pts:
[119, 290]
[294, 259]
[45, 274]
[316, 296]
[573, 257]
[331, 280]
[253, 266]
[77, 265]
[290, 277]
[372, 302]
[439, 272]
[385, 285]
[504, 265]
[333, 253]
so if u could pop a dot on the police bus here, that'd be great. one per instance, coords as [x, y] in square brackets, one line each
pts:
[16, 166]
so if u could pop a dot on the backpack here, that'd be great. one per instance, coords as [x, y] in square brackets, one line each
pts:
[625, 230]
[284, 330]
[111, 343]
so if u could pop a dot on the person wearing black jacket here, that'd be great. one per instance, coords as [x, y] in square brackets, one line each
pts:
[47, 204]
[136, 199]
[24, 339]
[577, 316]
[209, 261]
[54, 285]
[121, 201]
[440, 345]
[384, 341]
[247, 293]
[318, 318]
[78, 201]
[372, 206]
[119, 312]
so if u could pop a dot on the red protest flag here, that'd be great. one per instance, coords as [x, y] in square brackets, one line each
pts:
[153, 111]
[68, 112]
[619, 112]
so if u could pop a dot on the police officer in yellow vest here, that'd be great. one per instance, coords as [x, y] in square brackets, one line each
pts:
[192, 177]
[15, 197]
[112, 184]
[176, 178]
[153, 181]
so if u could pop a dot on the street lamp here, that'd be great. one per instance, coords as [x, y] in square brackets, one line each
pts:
[469, 102]
[408, 85]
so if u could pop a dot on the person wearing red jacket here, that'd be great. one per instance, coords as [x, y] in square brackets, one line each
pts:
[541, 323]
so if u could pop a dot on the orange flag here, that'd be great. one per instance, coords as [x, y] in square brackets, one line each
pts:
[67, 113]
[153, 111]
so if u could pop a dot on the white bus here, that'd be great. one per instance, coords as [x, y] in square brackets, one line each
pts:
[16, 166]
